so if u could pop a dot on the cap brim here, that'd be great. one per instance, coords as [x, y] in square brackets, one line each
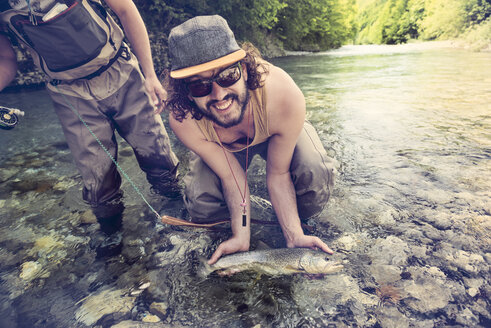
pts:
[222, 61]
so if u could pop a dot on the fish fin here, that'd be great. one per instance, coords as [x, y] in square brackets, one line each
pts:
[261, 245]
[204, 268]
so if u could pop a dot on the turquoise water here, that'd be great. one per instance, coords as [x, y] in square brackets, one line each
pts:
[410, 128]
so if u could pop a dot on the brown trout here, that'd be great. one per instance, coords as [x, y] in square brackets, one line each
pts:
[281, 261]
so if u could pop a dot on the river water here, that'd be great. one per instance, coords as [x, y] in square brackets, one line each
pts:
[410, 128]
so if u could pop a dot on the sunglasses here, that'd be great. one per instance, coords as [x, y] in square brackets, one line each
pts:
[225, 78]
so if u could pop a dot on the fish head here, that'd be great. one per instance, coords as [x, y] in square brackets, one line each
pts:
[317, 262]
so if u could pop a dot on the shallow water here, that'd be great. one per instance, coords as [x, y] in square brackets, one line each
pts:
[410, 216]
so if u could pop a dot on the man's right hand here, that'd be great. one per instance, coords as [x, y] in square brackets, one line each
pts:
[233, 245]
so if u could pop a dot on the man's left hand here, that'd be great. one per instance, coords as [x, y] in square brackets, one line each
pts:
[310, 242]
[157, 93]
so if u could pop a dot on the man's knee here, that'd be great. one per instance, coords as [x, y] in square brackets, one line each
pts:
[205, 206]
[102, 190]
[314, 185]
[165, 183]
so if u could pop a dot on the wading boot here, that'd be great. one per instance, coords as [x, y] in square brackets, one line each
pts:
[108, 241]
[166, 184]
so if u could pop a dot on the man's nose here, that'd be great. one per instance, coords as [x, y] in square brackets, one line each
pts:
[217, 92]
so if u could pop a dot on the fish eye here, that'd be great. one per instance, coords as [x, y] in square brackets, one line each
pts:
[326, 258]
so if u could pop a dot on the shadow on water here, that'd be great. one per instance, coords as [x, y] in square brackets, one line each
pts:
[410, 129]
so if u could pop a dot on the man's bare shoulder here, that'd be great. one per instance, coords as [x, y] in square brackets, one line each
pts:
[285, 100]
[187, 124]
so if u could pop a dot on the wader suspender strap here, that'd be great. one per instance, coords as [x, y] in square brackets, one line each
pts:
[32, 17]
[123, 51]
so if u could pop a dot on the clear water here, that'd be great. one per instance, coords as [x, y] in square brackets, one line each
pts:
[410, 127]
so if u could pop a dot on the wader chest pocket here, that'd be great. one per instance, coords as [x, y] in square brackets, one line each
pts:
[66, 41]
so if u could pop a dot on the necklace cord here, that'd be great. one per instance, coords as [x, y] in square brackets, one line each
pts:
[243, 195]
[165, 218]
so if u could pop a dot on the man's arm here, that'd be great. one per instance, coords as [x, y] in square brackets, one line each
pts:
[286, 114]
[8, 62]
[188, 132]
[135, 30]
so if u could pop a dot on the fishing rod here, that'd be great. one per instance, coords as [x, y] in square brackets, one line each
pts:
[9, 117]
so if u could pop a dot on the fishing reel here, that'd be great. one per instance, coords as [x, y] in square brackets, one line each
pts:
[9, 117]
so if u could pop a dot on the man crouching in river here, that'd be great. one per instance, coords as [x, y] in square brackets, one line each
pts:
[227, 105]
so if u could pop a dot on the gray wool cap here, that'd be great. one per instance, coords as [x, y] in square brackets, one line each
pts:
[200, 44]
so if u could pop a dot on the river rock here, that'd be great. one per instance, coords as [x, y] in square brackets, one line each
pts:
[473, 283]
[47, 247]
[31, 270]
[108, 301]
[467, 261]
[147, 317]
[385, 274]
[159, 308]
[390, 316]
[386, 218]
[134, 249]
[347, 242]
[88, 217]
[323, 297]
[64, 184]
[426, 297]
[390, 250]
[139, 324]
[7, 173]
[440, 221]
[429, 291]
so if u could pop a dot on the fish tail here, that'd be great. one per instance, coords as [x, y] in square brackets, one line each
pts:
[204, 268]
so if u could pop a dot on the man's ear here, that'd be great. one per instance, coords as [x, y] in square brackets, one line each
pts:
[244, 71]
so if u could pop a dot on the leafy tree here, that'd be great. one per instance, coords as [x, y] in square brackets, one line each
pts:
[315, 25]
[396, 21]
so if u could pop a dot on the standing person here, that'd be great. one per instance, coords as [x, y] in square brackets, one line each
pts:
[227, 105]
[94, 74]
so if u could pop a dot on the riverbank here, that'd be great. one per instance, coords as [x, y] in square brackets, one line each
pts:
[28, 76]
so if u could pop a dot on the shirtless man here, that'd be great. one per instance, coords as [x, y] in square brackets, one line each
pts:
[227, 105]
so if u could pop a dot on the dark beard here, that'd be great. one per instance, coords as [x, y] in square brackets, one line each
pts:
[208, 113]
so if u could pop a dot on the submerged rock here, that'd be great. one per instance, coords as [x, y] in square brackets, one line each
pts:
[323, 298]
[429, 292]
[108, 301]
[390, 250]
[139, 324]
[31, 270]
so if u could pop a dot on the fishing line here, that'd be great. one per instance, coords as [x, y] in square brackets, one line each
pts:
[108, 153]
[164, 218]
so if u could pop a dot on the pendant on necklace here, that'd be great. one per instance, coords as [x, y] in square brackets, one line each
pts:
[244, 215]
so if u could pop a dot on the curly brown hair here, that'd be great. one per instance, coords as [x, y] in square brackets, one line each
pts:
[178, 101]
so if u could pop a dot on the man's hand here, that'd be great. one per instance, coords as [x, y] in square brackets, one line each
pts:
[233, 245]
[157, 93]
[312, 242]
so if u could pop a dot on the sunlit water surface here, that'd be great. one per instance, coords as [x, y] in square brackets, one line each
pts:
[410, 128]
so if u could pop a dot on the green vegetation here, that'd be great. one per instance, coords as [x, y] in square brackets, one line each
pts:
[293, 24]
[316, 25]
[397, 21]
